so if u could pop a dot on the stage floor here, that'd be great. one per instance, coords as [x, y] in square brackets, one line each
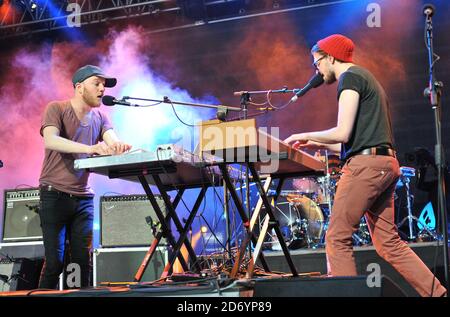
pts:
[310, 263]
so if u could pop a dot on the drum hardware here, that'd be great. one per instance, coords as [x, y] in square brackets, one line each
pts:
[406, 173]
[362, 235]
[286, 217]
[311, 200]
[328, 184]
[300, 221]
[307, 229]
[427, 217]
[302, 236]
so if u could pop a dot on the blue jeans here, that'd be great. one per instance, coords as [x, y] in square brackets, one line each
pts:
[65, 217]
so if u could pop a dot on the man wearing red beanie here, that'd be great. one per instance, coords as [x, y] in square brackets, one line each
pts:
[371, 170]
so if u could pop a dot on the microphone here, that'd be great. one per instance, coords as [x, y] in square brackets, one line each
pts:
[314, 82]
[111, 101]
[428, 10]
[240, 93]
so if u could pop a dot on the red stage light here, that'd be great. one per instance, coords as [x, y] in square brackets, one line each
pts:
[7, 12]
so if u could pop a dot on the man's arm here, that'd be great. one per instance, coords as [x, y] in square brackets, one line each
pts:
[53, 141]
[348, 107]
[114, 143]
[333, 148]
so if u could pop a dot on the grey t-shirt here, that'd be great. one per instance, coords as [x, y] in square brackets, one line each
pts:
[372, 127]
[57, 168]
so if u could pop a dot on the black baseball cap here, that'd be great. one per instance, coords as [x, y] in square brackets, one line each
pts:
[87, 71]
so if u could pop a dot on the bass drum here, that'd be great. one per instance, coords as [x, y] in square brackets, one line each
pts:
[310, 226]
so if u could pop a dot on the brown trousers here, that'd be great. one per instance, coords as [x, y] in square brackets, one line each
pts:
[366, 188]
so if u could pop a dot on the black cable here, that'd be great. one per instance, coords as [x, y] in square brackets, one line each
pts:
[212, 231]
[186, 124]
[215, 223]
[217, 194]
[17, 276]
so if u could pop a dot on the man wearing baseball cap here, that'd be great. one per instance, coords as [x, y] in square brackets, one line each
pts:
[72, 129]
[371, 170]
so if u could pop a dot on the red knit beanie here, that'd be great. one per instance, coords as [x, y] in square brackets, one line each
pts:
[338, 46]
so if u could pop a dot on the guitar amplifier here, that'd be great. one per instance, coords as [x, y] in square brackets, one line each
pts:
[129, 220]
[21, 220]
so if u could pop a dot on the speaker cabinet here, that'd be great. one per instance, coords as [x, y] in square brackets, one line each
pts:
[129, 220]
[21, 220]
[121, 264]
[354, 286]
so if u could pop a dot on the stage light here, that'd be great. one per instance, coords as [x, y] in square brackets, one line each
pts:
[204, 229]
[24, 5]
[33, 6]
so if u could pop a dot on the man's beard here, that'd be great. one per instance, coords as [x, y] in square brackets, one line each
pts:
[91, 100]
[330, 78]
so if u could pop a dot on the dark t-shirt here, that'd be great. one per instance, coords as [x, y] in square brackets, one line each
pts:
[372, 127]
[57, 168]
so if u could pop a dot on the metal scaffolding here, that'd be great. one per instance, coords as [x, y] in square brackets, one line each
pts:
[21, 17]
[28, 17]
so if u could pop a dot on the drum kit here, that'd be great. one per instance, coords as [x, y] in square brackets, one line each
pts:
[304, 211]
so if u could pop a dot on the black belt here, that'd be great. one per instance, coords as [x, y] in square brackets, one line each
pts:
[50, 188]
[376, 151]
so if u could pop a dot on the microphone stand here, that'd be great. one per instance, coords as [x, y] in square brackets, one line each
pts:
[276, 91]
[245, 100]
[167, 100]
[433, 92]
[264, 92]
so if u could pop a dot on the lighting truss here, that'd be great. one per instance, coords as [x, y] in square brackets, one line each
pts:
[21, 17]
